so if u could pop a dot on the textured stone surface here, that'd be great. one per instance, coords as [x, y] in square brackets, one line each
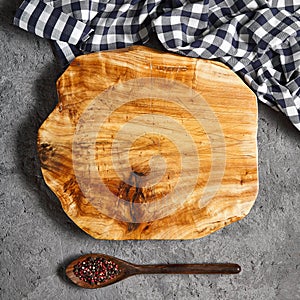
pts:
[37, 240]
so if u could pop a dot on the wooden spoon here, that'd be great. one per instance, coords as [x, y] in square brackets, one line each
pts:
[99, 270]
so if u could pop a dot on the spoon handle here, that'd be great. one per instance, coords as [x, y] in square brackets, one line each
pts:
[188, 269]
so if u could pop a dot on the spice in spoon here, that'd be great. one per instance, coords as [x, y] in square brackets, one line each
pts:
[96, 270]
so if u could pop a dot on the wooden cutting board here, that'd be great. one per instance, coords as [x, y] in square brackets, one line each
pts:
[151, 145]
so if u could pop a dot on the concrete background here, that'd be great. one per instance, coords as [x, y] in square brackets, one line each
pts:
[38, 240]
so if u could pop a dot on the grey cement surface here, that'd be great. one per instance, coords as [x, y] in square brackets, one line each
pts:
[37, 240]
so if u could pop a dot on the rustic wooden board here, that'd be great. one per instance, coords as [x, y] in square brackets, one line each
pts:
[151, 145]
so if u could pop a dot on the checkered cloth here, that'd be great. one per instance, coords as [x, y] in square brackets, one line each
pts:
[259, 40]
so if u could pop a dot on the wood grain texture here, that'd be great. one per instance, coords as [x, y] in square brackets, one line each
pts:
[151, 145]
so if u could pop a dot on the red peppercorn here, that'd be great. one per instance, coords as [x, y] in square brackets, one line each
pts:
[96, 270]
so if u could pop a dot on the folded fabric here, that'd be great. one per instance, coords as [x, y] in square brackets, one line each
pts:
[259, 40]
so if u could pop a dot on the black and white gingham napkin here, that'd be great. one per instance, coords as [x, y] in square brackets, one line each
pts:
[259, 40]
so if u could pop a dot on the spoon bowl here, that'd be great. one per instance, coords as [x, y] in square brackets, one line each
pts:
[99, 270]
